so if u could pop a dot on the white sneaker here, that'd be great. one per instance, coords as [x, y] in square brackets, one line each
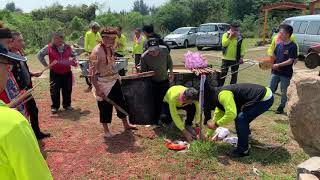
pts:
[107, 135]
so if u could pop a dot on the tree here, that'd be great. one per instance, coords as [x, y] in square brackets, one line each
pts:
[141, 7]
[11, 6]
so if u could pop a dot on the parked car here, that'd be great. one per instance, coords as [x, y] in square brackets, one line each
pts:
[182, 37]
[306, 29]
[210, 35]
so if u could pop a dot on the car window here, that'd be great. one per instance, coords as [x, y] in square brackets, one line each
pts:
[313, 28]
[221, 28]
[181, 31]
[296, 26]
[226, 27]
[208, 28]
[303, 27]
[193, 30]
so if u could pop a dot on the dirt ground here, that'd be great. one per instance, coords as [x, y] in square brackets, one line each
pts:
[77, 149]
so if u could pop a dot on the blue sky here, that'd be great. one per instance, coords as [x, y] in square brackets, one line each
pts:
[115, 5]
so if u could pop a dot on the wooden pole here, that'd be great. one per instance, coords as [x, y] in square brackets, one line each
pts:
[201, 101]
[265, 27]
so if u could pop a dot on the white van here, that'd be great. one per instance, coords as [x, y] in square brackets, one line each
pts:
[306, 29]
[210, 35]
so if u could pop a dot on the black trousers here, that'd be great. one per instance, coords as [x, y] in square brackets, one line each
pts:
[60, 82]
[105, 108]
[137, 58]
[159, 91]
[34, 115]
[225, 68]
[166, 118]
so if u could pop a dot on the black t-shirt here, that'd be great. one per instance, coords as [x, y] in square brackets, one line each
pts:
[284, 52]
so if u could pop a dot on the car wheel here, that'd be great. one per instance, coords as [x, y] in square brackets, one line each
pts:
[186, 44]
[199, 48]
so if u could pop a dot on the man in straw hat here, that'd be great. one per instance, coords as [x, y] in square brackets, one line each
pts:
[20, 156]
[105, 81]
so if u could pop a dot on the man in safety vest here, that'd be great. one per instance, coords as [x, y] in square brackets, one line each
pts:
[233, 52]
[138, 43]
[239, 103]
[92, 37]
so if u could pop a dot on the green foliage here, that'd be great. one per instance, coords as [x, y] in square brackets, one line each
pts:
[74, 20]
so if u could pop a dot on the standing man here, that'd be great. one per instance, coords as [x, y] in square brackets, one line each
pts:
[157, 58]
[60, 74]
[23, 77]
[180, 97]
[285, 55]
[121, 43]
[241, 103]
[233, 52]
[138, 43]
[148, 31]
[92, 38]
[105, 81]
[20, 156]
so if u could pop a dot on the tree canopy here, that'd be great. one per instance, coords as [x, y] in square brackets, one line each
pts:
[37, 25]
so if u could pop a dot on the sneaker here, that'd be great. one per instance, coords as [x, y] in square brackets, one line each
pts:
[238, 153]
[42, 135]
[69, 108]
[107, 135]
[54, 110]
[280, 110]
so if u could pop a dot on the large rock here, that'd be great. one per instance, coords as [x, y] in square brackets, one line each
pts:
[304, 111]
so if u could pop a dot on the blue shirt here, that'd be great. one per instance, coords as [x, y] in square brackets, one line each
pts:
[284, 52]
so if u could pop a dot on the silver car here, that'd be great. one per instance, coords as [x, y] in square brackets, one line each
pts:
[182, 37]
[210, 35]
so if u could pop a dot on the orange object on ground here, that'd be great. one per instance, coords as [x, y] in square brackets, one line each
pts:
[176, 146]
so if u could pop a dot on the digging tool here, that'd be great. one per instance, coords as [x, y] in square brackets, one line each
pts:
[115, 105]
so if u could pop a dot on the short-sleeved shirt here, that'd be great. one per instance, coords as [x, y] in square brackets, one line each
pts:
[284, 52]
[159, 64]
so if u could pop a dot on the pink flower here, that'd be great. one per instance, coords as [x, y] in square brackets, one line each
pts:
[195, 60]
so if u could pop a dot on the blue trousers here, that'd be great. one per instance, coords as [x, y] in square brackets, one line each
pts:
[246, 117]
[284, 82]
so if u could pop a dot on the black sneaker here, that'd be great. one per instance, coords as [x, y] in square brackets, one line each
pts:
[238, 153]
[280, 110]
[42, 135]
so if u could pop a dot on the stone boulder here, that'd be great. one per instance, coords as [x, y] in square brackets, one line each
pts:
[304, 111]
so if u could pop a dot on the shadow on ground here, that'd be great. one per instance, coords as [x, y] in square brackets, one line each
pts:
[124, 142]
[74, 115]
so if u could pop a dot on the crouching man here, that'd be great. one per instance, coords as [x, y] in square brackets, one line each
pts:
[241, 103]
[180, 97]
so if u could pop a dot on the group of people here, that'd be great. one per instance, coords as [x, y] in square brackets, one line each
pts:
[239, 103]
